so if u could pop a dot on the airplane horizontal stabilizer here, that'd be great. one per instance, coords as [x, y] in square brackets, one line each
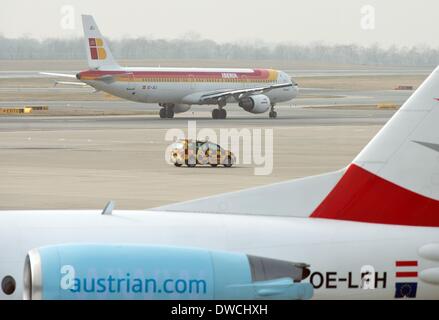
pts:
[295, 198]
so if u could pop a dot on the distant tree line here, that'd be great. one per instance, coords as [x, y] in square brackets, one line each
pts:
[197, 48]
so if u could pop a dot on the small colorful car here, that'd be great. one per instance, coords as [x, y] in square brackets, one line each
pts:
[199, 152]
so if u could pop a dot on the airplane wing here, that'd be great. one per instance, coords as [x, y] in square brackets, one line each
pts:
[241, 93]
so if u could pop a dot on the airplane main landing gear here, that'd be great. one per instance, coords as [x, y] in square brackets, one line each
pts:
[167, 112]
[219, 113]
[272, 114]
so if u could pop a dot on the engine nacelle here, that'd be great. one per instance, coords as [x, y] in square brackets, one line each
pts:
[255, 104]
[179, 108]
[95, 271]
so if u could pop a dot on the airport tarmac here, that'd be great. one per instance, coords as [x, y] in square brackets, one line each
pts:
[83, 162]
[308, 97]
[91, 148]
[287, 117]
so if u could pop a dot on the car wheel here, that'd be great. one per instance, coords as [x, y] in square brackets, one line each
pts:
[228, 162]
[191, 163]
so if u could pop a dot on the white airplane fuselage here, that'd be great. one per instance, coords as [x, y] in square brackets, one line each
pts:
[337, 251]
[185, 86]
[176, 89]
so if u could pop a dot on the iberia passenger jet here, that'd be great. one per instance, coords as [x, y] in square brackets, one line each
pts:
[368, 231]
[176, 89]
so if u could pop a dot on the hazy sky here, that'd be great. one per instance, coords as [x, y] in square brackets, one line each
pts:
[337, 21]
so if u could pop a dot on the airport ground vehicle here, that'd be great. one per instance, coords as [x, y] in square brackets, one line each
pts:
[366, 231]
[192, 153]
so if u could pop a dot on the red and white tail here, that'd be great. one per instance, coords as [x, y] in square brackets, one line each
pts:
[395, 178]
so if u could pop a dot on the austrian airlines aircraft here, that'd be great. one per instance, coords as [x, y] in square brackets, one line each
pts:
[370, 230]
[176, 89]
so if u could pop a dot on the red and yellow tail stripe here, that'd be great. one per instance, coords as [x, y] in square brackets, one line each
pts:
[97, 51]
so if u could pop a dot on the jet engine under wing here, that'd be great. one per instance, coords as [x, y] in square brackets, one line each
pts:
[294, 198]
[241, 93]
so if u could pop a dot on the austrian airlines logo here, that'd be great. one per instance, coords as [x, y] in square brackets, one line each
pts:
[406, 279]
[97, 50]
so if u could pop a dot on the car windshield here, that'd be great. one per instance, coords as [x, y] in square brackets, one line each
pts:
[177, 145]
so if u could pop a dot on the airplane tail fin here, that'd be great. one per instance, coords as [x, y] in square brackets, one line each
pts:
[395, 178]
[98, 53]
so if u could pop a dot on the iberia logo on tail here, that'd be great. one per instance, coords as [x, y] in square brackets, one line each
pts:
[97, 50]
